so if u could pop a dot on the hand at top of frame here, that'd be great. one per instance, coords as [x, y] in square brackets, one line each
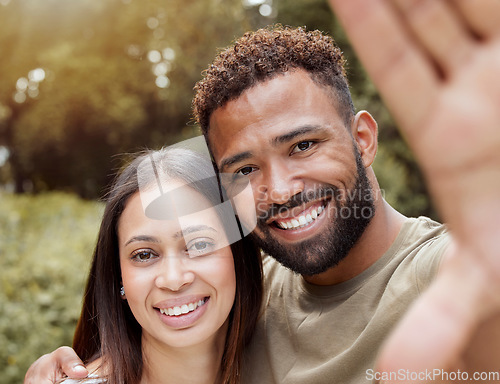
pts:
[436, 63]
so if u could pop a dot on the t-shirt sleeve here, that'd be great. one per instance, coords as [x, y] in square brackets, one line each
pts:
[428, 260]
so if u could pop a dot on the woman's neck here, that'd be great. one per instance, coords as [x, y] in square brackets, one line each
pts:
[197, 364]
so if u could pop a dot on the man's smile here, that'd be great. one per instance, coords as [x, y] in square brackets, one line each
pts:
[303, 218]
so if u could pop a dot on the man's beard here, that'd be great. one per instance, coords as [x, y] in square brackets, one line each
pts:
[327, 249]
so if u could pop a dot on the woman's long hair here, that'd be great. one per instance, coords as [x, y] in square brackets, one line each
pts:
[107, 328]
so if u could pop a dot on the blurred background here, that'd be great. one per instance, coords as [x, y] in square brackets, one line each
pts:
[83, 82]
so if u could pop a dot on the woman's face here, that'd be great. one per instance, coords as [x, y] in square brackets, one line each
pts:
[178, 275]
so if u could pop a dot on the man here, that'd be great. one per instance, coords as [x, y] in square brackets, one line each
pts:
[276, 111]
[282, 118]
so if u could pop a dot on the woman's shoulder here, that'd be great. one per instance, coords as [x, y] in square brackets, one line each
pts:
[91, 379]
[95, 368]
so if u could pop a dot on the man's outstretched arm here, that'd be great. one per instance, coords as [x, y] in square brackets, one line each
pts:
[54, 366]
[436, 63]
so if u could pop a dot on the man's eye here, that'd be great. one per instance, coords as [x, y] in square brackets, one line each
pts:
[143, 255]
[244, 171]
[302, 146]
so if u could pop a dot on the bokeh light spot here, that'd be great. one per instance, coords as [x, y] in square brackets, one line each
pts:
[160, 69]
[162, 82]
[265, 10]
[154, 56]
[20, 97]
[168, 54]
[22, 84]
[33, 93]
[252, 3]
[37, 75]
[153, 23]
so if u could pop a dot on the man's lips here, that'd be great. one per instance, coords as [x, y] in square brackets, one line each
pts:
[300, 217]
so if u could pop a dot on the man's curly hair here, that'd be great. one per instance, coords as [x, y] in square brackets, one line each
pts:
[261, 55]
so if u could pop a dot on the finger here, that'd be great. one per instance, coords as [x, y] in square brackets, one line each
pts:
[402, 72]
[32, 376]
[440, 30]
[69, 363]
[482, 16]
[434, 335]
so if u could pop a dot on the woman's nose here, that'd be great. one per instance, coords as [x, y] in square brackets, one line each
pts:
[174, 273]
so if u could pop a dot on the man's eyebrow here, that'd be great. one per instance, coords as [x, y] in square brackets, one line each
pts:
[192, 229]
[289, 136]
[226, 163]
[149, 239]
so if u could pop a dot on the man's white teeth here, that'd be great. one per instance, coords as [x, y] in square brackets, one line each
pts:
[301, 221]
[183, 309]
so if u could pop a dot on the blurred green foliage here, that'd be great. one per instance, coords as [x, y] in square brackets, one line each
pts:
[46, 243]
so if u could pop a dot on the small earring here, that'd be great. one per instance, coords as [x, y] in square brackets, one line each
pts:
[122, 291]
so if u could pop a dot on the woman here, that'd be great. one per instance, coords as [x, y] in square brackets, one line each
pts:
[167, 298]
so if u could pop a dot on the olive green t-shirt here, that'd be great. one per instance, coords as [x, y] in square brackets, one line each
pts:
[331, 334]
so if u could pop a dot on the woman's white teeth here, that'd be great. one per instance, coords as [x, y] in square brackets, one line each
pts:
[183, 309]
[301, 221]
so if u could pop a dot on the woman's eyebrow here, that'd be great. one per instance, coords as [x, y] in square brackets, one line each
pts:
[149, 239]
[192, 229]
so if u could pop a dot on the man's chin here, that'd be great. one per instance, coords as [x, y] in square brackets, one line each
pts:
[308, 257]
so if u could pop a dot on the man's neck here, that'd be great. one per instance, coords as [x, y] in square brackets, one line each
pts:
[375, 241]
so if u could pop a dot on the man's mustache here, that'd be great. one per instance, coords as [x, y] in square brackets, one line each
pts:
[297, 200]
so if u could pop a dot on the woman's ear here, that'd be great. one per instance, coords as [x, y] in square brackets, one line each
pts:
[365, 132]
[122, 293]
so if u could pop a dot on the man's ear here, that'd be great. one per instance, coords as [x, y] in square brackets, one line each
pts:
[365, 132]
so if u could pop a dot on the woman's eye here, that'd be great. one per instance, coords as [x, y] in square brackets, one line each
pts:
[143, 255]
[200, 247]
[302, 146]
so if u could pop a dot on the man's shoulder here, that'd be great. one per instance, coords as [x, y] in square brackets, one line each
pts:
[271, 265]
[422, 231]
[418, 256]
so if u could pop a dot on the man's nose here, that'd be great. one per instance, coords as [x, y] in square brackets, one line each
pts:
[280, 183]
[174, 273]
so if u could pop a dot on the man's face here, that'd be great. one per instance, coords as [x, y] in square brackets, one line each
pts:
[311, 191]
